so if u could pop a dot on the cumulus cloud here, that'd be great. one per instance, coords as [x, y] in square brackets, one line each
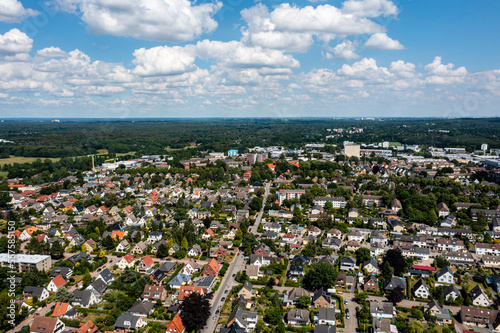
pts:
[369, 8]
[158, 20]
[15, 41]
[51, 52]
[345, 50]
[365, 69]
[12, 11]
[292, 28]
[439, 73]
[163, 60]
[383, 42]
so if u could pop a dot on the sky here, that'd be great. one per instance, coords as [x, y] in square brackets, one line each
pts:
[249, 58]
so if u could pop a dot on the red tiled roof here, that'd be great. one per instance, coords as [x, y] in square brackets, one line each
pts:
[59, 281]
[176, 324]
[60, 309]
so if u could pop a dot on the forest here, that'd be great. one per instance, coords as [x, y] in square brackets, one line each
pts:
[184, 138]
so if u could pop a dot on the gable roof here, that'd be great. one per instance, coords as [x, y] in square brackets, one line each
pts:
[43, 324]
[176, 324]
[59, 281]
[443, 271]
[60, 309]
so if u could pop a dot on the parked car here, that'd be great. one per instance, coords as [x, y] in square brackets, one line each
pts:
[345, 301]
[223, 299]
[225, 291]
[347, 314]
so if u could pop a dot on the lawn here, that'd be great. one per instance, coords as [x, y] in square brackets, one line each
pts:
[3, 174]
[13, 160]
[123, 154]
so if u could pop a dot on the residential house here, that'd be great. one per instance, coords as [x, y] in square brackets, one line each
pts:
[322, 299]
[56, 283]
[246, 291]
[124, 246]
[106, 276]
[479, 297]
[127, 322]
[191, 267]
[371, 266]
[451, 292]
[46, 325]
[348, 264]
[445, 275]
[39, 292]
[63, 310]
[126, 261]
[421, 290]
[176, 325]
[84, 298]
[395, 282]
[382, 310]
[194, 251]
[154, 237]
[179, 280]
[326, 316]
[139, 248]
[241, 319]
[473, 316]
[185, 291]
[370, 283]
[211, 269]
[65, 272]
[141, 308]
[98, 287]
[146, 265]
[292, 298]
[297, 317]
[154, 293]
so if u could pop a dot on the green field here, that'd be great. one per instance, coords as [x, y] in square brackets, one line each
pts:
[13, 160]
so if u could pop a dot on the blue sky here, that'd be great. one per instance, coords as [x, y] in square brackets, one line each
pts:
[235, 58]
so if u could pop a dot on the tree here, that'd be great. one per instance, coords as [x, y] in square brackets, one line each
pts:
[362, 254]
[274, 315]
[432, 217]
[441, 262]
[396, 295]
[63, 295]
[57, 250]
[184, 243]
[387, 271]
[207, 222]
[415, 327]
[280, 328]
[162, 251]
[304, 302]
[395, 258]
[487, 238]
[320, 274]
[195, 311]
[102, 254]
[87, 278]
[271, 282]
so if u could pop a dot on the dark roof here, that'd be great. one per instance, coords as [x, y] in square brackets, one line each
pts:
[106, 275]
[394, 283]
[141, 307]
[443, 271]
[126, 317]
[325, 329]
[82, 297]
[62, 270]
[99, 286]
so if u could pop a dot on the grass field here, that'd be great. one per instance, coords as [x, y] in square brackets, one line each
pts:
[3, 174]
[123, 154]
[13, 160]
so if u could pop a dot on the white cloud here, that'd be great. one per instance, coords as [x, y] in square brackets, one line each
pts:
[383, 42]
[345, 50]
[163, 60]
[365, 69]
[236, 54]
[15, 41]
[51, 52]
[322, 19]
[439, 73]
[370, 8]
[12, 11]
[158, 20]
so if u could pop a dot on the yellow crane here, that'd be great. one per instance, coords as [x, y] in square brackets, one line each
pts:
[112, 159]
[93, 165]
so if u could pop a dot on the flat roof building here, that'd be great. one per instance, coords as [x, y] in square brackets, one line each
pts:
[26, 262]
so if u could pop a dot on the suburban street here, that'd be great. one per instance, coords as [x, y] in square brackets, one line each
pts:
[235, 266]
[351, 324]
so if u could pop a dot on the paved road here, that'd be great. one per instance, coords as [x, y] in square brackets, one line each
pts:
[255, 227]
[226, 284]
[351, 324]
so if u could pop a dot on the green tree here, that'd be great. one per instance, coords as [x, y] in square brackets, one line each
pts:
[395, 258]
[274, 315]
[57, 250]
[396, 295]
[184, 243]
[415, 327]
[63, 295]
[162, 251]
[362, 255]
[304, 302]
[320, 274]
[87, 278]
[441, 262]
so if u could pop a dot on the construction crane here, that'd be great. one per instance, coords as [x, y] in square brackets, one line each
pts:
[112, 159]
[93, 165]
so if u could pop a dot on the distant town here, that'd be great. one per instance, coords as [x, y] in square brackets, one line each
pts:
[356, 238]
